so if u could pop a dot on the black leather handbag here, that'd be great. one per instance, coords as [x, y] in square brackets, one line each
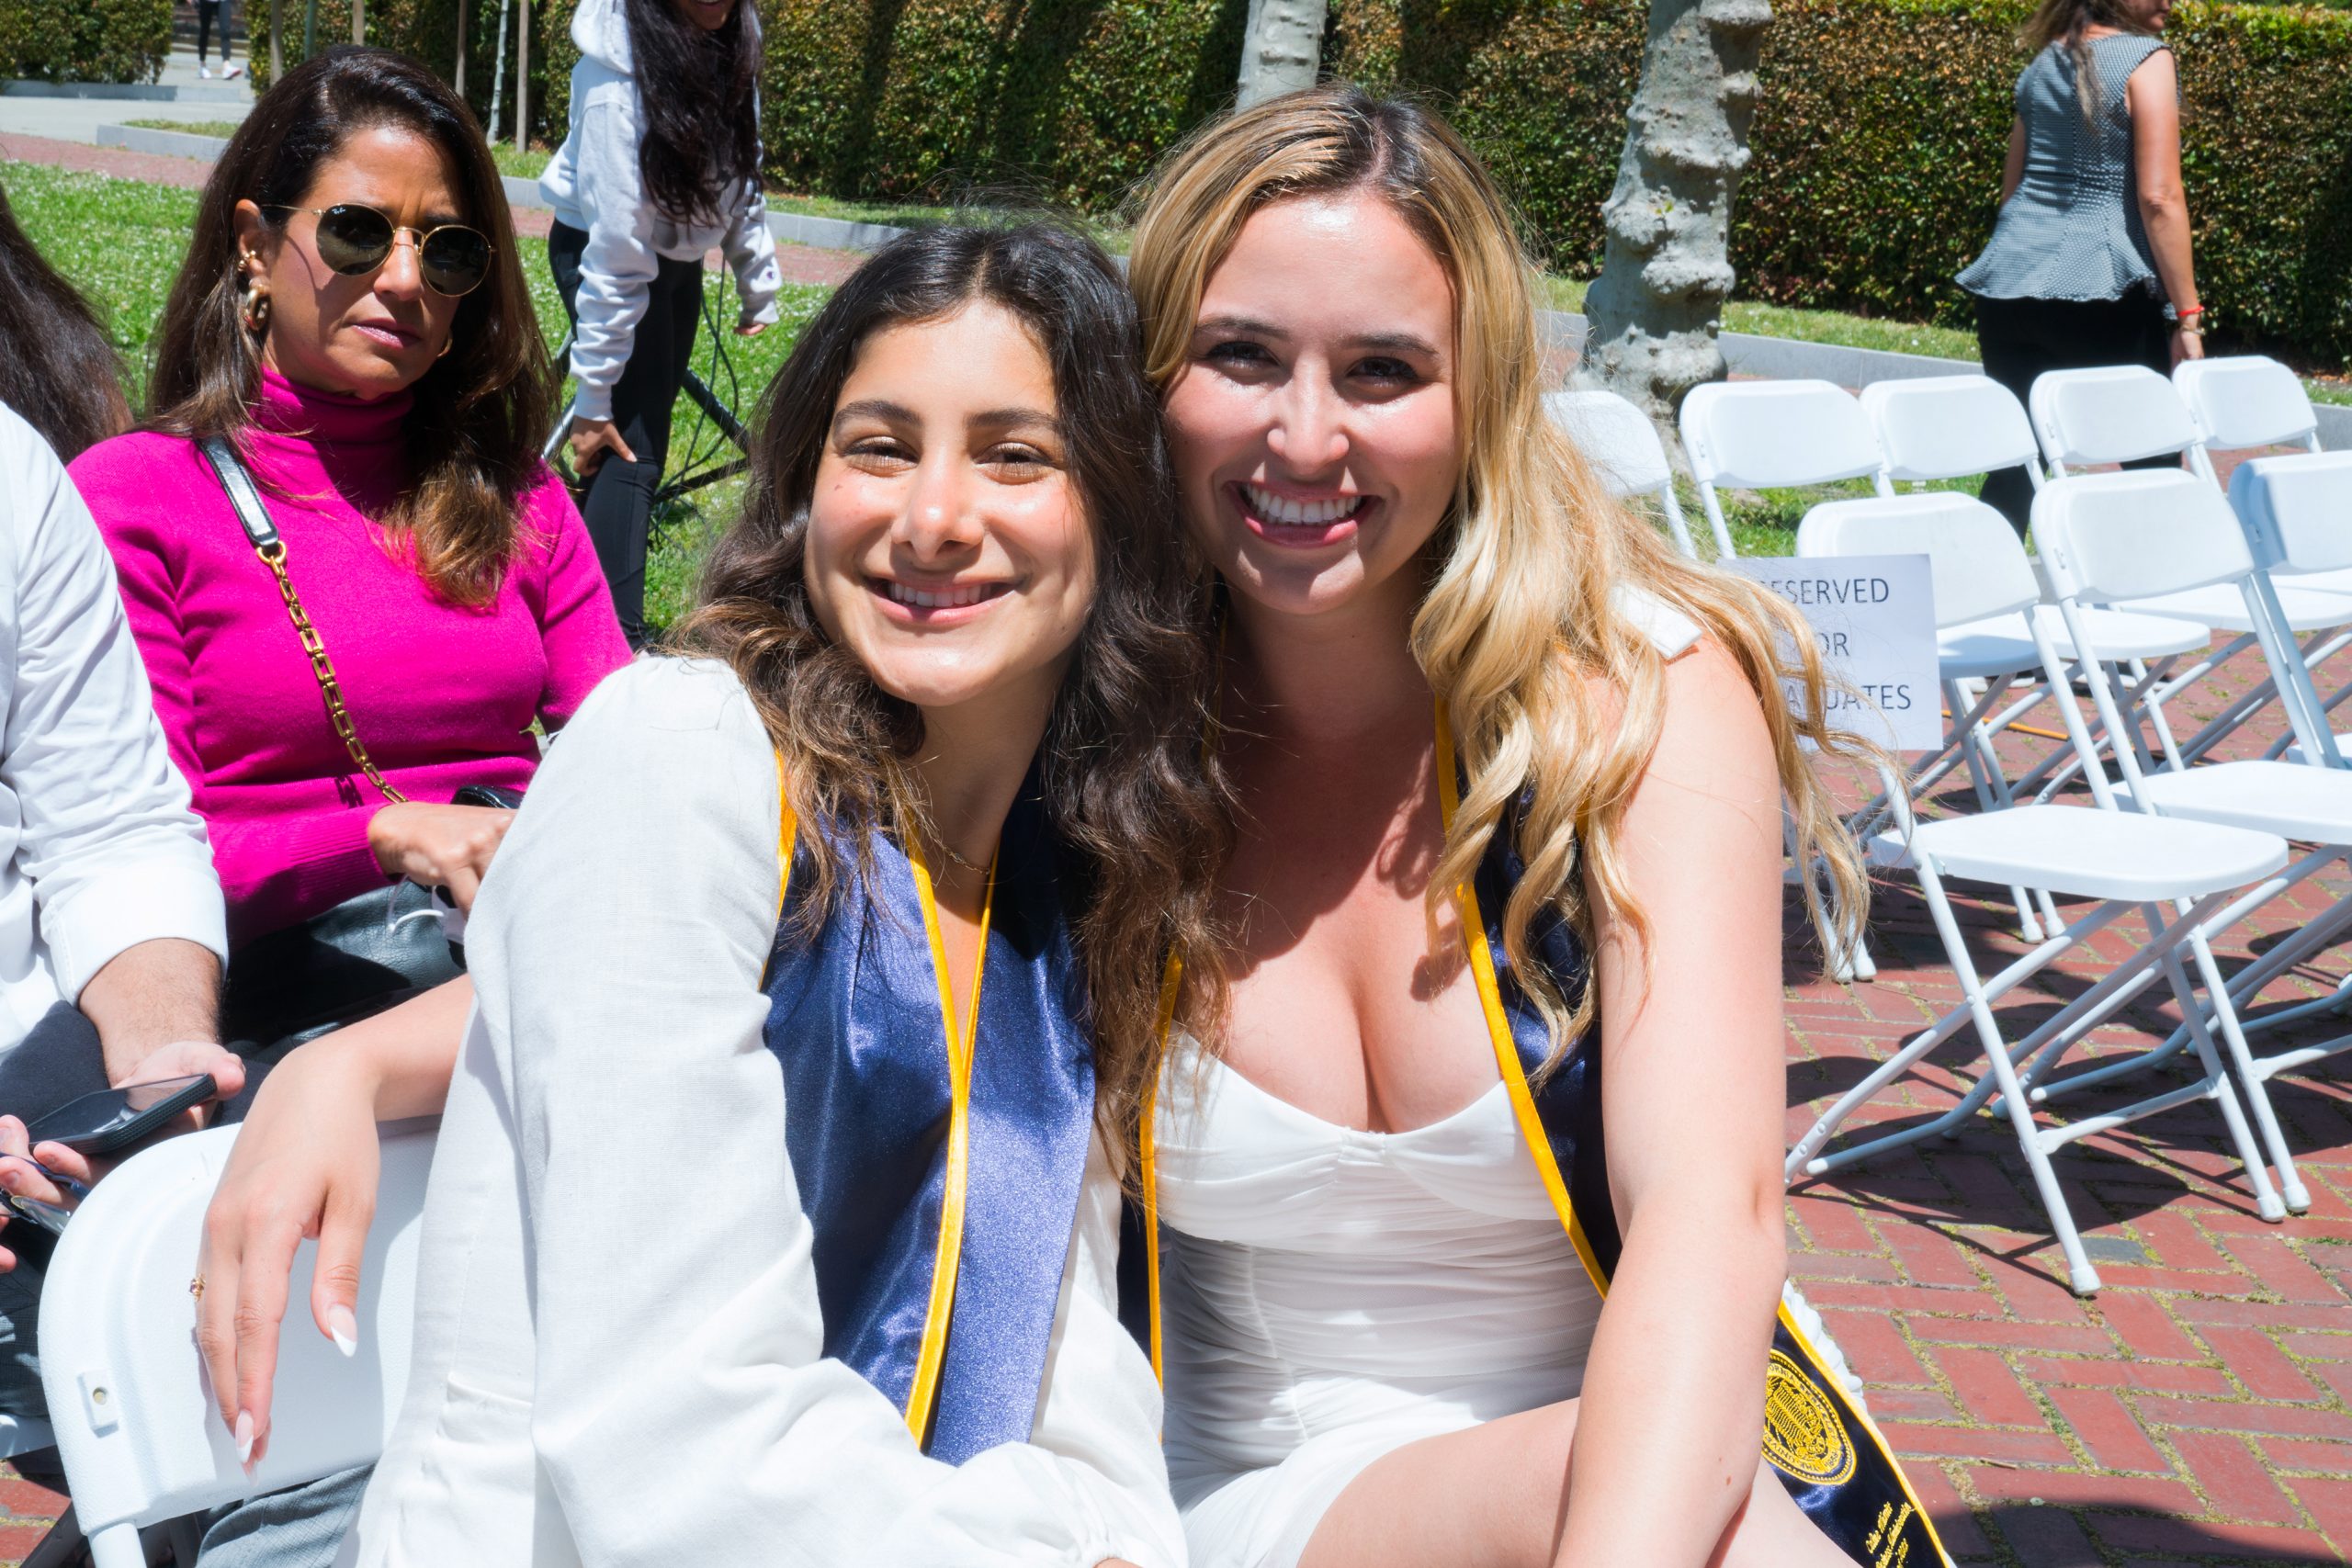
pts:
[366, 953]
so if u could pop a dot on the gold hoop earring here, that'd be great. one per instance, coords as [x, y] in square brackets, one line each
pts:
[256, 312]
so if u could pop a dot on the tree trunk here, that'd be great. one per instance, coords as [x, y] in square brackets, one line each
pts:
[277, 55]
[1652, 315]
[498, 67]
[457, 80]
[1281, 47]
[523, 77]
[359, 21]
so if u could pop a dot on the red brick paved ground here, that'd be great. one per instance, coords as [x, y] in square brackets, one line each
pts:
[2197, 1409]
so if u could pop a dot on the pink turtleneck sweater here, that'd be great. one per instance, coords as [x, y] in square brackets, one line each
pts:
[443, 695]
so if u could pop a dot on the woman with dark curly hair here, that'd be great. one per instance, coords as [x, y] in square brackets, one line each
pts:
[857, 912]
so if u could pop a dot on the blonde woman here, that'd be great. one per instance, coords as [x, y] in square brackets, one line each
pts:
[1502, 1030]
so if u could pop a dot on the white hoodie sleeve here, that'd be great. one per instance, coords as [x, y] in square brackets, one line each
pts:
[618, 264]
[750, 256]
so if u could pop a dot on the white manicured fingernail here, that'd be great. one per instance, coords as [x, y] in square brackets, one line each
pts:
[344, 1327]
[245, 1438]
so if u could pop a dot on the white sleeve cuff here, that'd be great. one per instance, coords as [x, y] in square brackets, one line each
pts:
[91, 926]
[590, 400]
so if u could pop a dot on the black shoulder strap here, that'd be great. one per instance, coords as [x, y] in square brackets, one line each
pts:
[230, 469]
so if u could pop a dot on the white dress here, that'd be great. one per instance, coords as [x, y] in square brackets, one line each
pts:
[1330, 1295]
[618, 1359]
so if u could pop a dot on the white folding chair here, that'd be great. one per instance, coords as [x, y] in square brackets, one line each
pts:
[1941, 427]
[2296, 513]
[1772, 435]
[137, 1430]
[2243, 402]
[1623, 448]
[2118, 536]
[2118, 415]
[2125, 862]
[1944, 427]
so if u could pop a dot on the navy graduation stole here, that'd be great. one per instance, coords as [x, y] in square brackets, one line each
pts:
[1824, 1449]
[938, 1158]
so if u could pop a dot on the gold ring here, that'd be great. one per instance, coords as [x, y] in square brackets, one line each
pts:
[195, 1287]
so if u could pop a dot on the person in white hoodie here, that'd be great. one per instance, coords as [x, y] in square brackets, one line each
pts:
[660, 164]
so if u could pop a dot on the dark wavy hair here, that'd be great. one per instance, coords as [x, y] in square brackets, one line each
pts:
[1126, 777]
[57, 369]
[483, 408]
[696, 93]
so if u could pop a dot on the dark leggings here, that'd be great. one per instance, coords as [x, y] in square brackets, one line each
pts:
[2020, 339]
[618, 501]
[206, 10]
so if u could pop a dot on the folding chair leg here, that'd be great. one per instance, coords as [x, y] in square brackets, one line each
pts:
[2290, 1184]
[1716, 521]
[117, 1546]
[2265, 1199]
[2080, 1272]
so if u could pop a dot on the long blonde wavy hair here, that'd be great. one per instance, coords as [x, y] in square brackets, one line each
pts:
[1556, 698]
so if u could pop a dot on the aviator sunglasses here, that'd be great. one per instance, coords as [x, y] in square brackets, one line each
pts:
[355, 240]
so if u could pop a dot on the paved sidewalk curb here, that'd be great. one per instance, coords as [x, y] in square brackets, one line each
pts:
[138, 92]
[169, 144]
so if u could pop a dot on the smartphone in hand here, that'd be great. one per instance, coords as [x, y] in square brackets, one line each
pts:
[113, 1119]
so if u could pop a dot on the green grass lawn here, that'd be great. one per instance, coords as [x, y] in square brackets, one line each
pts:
[222, 127]
[120, 243]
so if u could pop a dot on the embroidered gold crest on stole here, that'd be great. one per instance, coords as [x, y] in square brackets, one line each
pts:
[1802, 1432]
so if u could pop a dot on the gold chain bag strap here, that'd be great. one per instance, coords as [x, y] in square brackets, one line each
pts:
[246, 499]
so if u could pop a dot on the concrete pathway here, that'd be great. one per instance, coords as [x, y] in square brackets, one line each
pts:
[77, 120]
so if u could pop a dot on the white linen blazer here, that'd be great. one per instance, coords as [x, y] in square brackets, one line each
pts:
[618, 1360]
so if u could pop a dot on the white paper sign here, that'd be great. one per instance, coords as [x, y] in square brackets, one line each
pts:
[1874, 618]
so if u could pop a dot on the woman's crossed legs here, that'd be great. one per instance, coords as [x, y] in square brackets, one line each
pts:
[1496, 1495]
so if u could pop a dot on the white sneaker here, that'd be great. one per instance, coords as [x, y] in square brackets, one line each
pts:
[204, 72]
[232, 71]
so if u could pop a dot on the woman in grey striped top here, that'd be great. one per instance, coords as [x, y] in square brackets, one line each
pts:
[2089, 264]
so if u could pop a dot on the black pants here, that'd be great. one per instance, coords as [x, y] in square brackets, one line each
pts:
[2020, 339]
[206, 11]
[618, 503]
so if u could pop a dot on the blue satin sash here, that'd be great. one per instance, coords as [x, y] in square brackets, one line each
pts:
[929, 1187]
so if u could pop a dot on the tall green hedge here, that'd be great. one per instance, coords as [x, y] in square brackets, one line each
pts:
[1879, 142]
[428, 31]
[1071, 100]
[85, 40]
[1877, 145]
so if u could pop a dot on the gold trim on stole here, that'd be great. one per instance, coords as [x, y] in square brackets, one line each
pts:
[933, 1353]
[959, 1129]
[1539, 1145]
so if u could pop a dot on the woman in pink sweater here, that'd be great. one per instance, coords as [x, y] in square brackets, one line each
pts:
[390, 414]
[352, 321]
